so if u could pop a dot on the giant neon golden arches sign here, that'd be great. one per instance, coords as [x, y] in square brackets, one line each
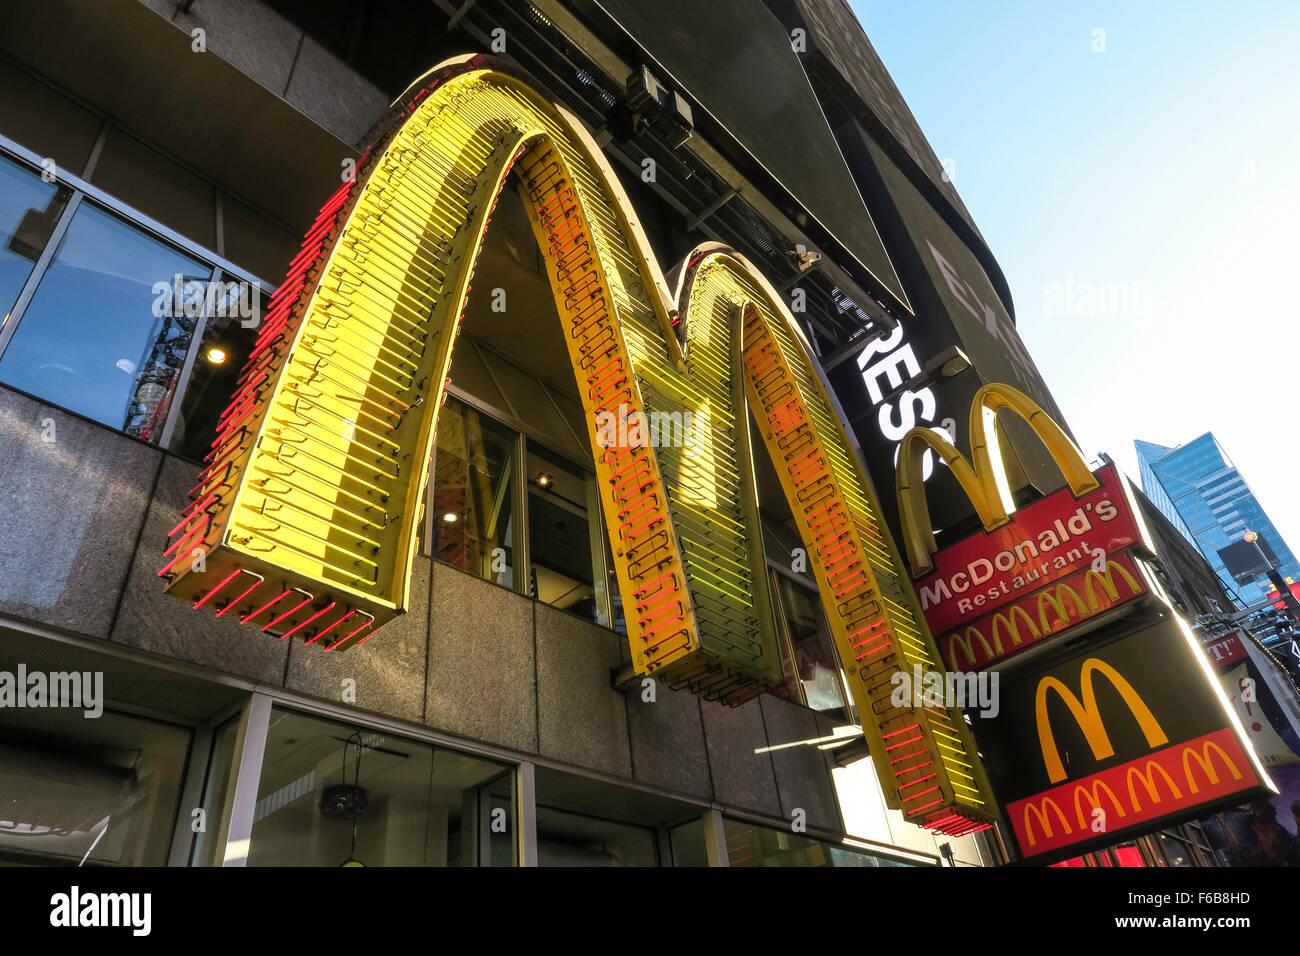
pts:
[305, 519]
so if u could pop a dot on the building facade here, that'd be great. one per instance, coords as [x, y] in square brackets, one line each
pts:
[178, 178]
[1196, 486]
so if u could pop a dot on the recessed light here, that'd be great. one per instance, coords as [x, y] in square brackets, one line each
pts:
[216, 355]
[450, 517]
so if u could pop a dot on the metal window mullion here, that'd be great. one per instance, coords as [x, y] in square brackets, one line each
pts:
[236, 830]
[526, 812]
[196, 775]
[715, 838]
[523, 563]
[38, 271]
[187, 367]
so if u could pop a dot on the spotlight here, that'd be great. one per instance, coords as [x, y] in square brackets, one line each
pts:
[216, 355]
[543, 479]
[450, 517]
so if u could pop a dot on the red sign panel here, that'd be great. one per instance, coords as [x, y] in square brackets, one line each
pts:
[1043, 543]
[1226, 650]
[1042, 614]
[1180, 777]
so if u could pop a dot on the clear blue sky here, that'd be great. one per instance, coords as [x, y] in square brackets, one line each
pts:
[1165, 170]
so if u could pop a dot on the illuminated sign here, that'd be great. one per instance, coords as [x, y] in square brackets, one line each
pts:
[1116, 738]
[1042, 543]
[1043, 614]
[305, 519]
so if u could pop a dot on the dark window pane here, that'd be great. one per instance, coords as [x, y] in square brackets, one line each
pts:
[573, 839]
[78, 792]
[331, 793]
[559, 534]
[472, 489]
[810, 657]
[91, 340]
[217, 365]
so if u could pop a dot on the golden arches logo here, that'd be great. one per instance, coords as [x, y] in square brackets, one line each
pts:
[983, 478]
[1039, 811]
[1147, 778]
[1087, 715]
[305, 519]
[1206, 762]
[1094, 800]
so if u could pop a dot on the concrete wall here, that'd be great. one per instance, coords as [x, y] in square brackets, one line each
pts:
[86, 513]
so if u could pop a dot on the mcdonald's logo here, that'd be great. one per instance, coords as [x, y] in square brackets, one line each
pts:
[982, 479]
[1088, 716]
[1057, 597]
[1039, 810]
[1206, 763]
[1094, 799]
[1147, 778]
[1142, 791]
[305, 520]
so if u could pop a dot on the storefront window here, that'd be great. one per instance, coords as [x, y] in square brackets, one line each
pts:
[333, 794]
[574, 839]
[473, 484]
[78, 792]
[99, 338]
[749, 844]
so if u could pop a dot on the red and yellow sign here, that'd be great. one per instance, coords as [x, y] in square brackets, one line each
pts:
[1044, 614]
[1045, 542]
[1147, 788]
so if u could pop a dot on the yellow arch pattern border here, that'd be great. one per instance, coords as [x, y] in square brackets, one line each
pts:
[305, 519]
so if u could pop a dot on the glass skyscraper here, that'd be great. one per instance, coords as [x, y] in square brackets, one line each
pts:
[1197, 487]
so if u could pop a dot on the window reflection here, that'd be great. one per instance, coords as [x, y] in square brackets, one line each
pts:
[471, 499]
[80, 792]
[92, 340]
[560, 535]
[29, 210]
[574, 839]
[812, 667]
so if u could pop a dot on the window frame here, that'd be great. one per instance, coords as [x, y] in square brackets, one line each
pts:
[83, 190]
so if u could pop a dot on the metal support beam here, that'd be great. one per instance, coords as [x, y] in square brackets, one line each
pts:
[236, 831]
[711, 208]
[526, 812]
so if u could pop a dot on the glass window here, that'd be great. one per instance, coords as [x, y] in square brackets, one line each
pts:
[79, 792]
[29, 210]
[687, 841]
[217, 365]
[574, 839]
[332, 795]
[749, 844]
[811, 665]
[560, 536]
[103, 336]
[1176, 851]
[473, 485]
[203, 852]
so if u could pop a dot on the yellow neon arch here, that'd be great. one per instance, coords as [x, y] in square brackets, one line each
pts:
[984, 478]
[305, 520]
